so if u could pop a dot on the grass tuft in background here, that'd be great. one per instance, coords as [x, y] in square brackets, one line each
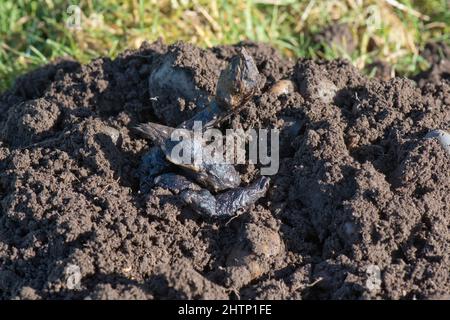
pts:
[33, 33]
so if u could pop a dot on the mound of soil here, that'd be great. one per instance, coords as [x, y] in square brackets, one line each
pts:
[359, 207]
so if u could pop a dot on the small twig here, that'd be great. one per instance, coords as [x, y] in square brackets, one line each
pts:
[307, 11]
[315, 282]
[407, 9]
[215, 26]
[234, 217]
[309, 285]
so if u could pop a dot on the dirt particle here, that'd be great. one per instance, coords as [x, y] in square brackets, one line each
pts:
[313, 83]
[72, 273]
[251, 256]
[30, 121]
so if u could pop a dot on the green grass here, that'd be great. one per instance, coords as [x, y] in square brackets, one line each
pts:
[33, 33]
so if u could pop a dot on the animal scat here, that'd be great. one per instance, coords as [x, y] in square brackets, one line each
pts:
[238, 81]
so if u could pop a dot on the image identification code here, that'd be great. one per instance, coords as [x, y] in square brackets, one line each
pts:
[226, 309]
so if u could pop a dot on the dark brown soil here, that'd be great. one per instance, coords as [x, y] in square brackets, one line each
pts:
[337, 36]
[358, 189]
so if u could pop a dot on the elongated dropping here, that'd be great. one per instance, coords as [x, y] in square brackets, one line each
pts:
[218, 176]
[236, 85]
[228, 203]
[238, 82]
[175, 182]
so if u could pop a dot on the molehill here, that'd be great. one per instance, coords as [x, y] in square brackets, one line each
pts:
[358, 210]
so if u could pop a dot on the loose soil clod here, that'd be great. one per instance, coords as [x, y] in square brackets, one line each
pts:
[442, 136]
